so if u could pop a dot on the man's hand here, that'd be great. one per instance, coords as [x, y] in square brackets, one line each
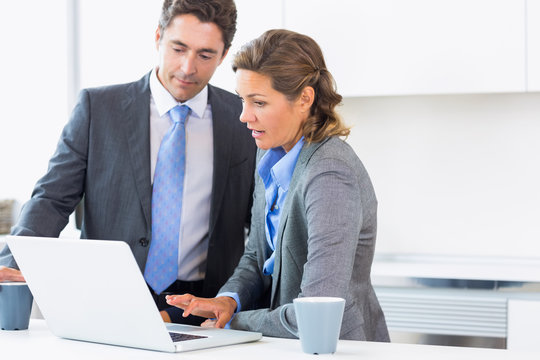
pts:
[165, 316]
[220, 308]
[9, 274]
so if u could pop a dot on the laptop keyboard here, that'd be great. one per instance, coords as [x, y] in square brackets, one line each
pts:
[177, 337]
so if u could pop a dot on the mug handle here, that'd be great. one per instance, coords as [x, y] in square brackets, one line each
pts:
[284, 321]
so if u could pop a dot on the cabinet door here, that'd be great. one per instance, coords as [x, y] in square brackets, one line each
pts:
[387, 47]
[533, 45]
[254, 18]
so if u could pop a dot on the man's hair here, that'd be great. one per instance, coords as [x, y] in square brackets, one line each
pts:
[220, 12]
[294, 61]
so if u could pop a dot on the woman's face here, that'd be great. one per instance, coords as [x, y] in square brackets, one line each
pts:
[273, 119]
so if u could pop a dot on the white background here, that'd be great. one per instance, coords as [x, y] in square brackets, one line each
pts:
[454, 174]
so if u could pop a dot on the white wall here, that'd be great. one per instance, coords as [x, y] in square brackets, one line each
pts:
[117, 40]
[115, 48]
[33, 91]
[116, 44]
[453, 174]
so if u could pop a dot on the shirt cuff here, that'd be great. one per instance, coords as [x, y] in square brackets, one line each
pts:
[238, 305]
[235, 297]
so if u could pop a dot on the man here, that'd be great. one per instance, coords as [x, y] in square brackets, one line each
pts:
[110, 152]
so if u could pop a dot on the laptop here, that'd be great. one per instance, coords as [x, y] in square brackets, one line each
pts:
[93, 290]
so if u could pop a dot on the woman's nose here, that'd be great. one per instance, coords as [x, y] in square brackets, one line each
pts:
[245, 115]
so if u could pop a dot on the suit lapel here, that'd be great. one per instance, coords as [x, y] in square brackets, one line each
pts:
[223, 138]
[136, 122]
[303, 159]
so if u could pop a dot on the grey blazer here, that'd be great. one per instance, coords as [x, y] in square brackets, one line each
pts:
[104, 155]
[325, 245]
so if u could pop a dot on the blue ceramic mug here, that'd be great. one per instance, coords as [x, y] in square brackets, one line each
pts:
[319, 322]
[15, 305]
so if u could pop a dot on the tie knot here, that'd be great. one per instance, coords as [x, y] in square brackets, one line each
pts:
[179, 113]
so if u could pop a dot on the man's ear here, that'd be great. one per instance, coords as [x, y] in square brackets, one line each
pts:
[158, 37]
[223, 56]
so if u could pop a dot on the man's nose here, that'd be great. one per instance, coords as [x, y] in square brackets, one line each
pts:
[188, 66]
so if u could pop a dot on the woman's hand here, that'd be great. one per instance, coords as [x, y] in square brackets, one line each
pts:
[220, 308]
[209, 323]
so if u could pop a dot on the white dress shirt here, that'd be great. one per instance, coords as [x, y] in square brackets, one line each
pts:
[195, 217]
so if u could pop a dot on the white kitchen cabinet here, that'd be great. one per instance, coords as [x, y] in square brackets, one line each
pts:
[533, 45]
[393, 47]
[523, 324]
[254, 18]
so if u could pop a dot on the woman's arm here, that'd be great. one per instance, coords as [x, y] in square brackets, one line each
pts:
[330, 195]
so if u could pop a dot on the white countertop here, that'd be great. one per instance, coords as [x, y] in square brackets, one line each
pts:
[38, 342]
[457, 267]
[449, 267]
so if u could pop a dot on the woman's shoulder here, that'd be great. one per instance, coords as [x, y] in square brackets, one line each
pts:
[334, 148]
[335, 154]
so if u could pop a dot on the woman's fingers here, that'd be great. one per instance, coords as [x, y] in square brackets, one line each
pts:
[191, 305]
[220, 308]
[181, 301]
[207, 308]
[209, 323]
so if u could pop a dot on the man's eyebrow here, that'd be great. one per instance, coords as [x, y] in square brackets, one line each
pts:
[178, 42]
[203, 50]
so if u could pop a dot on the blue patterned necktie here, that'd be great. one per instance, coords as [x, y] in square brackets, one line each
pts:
[162, 264]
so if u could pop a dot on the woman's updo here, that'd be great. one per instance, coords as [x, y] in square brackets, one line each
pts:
[293, 61]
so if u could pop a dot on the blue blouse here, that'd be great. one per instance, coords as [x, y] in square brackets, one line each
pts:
[276, 168]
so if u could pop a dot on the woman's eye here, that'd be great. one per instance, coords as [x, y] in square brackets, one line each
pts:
[259, 103]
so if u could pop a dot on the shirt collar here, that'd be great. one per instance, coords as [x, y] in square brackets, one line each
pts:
[280, 165]
[165, 101]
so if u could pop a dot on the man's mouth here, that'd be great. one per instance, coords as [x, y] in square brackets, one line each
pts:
[185, 81]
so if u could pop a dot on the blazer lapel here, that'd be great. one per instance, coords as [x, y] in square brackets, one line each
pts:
[136, 113]
[303, 159]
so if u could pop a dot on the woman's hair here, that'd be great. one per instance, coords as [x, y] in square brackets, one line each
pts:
[293, 61]
[220, 12]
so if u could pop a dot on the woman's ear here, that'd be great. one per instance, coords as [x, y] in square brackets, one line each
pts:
[307, 97]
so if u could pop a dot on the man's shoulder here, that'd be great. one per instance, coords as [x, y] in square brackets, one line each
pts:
[140, 85]
[219, 94]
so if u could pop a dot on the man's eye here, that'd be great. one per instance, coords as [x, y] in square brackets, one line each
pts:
[178, 49]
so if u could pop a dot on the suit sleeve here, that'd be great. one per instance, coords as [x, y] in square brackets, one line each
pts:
[58, 192]
[333, 214]
[247, 280]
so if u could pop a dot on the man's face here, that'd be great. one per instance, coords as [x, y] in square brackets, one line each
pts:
[189, 53]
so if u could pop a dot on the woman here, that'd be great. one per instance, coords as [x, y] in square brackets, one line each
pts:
[314, 209]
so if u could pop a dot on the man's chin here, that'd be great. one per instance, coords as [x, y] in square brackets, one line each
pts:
[183, 95]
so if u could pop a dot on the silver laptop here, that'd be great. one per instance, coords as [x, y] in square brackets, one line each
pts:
[93, 290]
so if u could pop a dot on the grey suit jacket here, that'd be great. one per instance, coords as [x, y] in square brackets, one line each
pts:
[325, 246]
[104, 155]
